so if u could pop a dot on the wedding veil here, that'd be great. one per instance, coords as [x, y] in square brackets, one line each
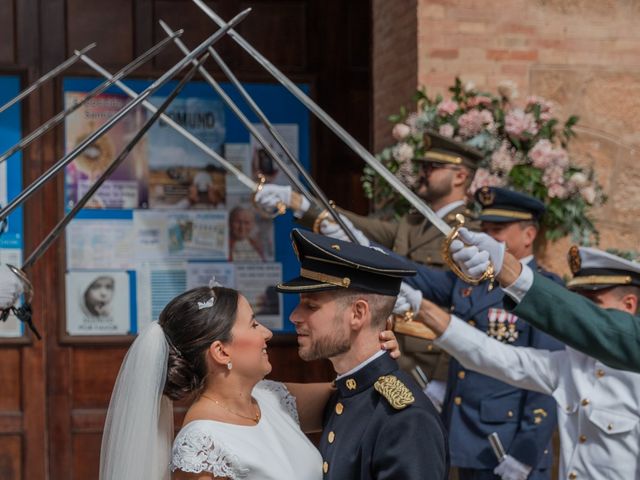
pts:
[138, 430]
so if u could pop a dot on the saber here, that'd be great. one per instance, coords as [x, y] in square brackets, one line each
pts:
[449, 232]
[496, 446]
[319, 194]
[15, 203]
[253, 186]
[243, 119]
[55, 120]
[55, 233]
[50, 74]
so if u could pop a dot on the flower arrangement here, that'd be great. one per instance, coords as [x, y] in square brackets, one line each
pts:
[525, 148]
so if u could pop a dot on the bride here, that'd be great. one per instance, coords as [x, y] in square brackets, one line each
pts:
[208, 346]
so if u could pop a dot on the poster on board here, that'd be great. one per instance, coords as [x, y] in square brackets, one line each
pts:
[127, 186]
[181, 176]
[257, 282]
[98, 302]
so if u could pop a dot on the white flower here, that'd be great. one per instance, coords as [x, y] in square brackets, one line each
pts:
[469, 87]
[579, 179]
[403, 152]
[589, 194]
[508, 90]
[401, 131]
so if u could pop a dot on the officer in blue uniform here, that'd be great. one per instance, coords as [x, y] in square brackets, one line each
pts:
[378, 424]
[477, 405]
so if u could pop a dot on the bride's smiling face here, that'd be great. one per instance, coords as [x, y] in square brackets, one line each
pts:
[248, 347]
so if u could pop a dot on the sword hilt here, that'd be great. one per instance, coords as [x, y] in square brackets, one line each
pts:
[280, 208]
[489, 273]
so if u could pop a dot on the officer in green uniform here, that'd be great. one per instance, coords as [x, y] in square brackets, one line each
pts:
[378, 424]
[446, 172]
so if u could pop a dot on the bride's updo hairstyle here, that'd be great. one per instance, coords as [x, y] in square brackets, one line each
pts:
[191, 324]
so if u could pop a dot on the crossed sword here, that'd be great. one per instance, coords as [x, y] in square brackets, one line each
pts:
[313, 192]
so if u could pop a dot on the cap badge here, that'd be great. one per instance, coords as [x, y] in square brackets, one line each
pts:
[486, 196]
[575, 262]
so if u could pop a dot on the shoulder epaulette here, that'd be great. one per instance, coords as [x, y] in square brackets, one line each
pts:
[396, 392]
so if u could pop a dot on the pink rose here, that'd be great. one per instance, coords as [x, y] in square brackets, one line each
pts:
[484, 178]
[482, 100]
[553, 175]
[472, 122]
[446, 130]
[557, 191]
[401, 131]
[503, 159]
[541, 155]
[447, 107]
[520, 124]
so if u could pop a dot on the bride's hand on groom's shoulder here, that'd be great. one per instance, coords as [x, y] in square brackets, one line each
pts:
[389, 342]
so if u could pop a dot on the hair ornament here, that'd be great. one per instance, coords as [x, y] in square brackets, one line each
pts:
[214, 283]
[208, 304]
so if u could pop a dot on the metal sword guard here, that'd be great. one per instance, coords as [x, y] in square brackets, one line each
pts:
[24, 313]
[489, 274]
[280, 209]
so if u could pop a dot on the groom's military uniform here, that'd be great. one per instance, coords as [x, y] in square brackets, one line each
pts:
[378, 424]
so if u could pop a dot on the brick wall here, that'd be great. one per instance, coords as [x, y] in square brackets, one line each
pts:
[394, 62]
[582, 54]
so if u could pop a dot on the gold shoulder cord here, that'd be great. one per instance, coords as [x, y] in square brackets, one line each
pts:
[396, 392]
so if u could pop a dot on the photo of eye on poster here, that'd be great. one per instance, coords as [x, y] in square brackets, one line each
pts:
[98, 303]
[180, 235]
[257, 282]
[262, 163]
[250, 234]
[127, 186]
[181, 176]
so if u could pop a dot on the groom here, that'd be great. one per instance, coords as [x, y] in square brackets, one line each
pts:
[378, 424]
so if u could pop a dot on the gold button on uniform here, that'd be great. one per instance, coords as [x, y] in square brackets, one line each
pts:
[457, 400]
[339, 408]
[585, 402]
[573, 476]
[351, 384]
[331, 437]
[325, 467]
[600, 373]
[429, 347]
[472, 323]
[583, 438]
[461, 374]
[510, 414]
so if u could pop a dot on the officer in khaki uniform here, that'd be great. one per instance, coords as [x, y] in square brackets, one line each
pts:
[378, 424]
[446, 171]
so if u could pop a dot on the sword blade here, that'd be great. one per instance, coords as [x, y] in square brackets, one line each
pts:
[318, 193]
[314, 108]
[50, 74]
[64, 161]
[60, 116]
[496, 446]
[178, 128]
[57, 230]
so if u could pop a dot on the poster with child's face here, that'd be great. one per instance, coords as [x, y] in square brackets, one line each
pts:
[98, 303]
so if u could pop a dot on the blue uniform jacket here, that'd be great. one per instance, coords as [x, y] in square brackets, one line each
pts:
[365, 437]
[477, 405]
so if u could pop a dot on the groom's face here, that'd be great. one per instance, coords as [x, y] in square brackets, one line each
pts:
[322, 325]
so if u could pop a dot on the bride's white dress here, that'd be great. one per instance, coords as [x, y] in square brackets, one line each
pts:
[275, 448]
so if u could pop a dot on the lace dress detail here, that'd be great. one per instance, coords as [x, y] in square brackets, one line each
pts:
[195, 451]
[287, 400]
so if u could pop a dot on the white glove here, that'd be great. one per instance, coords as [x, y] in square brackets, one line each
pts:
[511, 469]
[408, 298]
[331, 229]
[10, 288]
[473, 256]
[271, 195]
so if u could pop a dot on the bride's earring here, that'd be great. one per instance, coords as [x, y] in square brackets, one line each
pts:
[229, 365]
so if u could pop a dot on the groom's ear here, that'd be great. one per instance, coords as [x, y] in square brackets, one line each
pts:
[218, 353]
[360, 314]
